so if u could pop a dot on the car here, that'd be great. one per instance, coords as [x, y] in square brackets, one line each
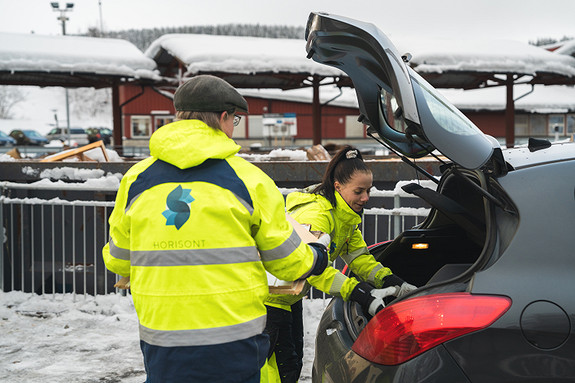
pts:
[99, 133]
[28, 137]
[6, 140]
[77, 136]
[493, 258]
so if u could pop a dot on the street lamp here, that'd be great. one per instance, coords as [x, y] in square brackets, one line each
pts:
[56, 8]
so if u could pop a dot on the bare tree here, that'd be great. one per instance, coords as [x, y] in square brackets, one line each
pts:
[9, 97]
[90, 102]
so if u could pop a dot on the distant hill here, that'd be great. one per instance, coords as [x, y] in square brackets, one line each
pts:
[142, 38]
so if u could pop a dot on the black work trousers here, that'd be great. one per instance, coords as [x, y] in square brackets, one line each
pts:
[285, 330]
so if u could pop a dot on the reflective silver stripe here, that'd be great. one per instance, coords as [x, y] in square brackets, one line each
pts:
[202, 337]
[195, 257]
[371, 276]
[131, 202]
[335, 288]
[283, 250]
[118, 252]
[349, 257]
[246, 205]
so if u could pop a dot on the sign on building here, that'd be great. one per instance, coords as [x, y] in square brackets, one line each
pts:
[279, 127]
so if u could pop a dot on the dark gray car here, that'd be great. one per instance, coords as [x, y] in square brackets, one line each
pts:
[494, 258]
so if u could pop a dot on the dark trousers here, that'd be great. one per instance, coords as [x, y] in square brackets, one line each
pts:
[286, 340]
[239, 362]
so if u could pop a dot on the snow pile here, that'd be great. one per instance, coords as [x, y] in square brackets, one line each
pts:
[66, 338]
[6, 158]
[63, 340]
[277, 154]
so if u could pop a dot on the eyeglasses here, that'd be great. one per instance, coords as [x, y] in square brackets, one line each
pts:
[237, 119]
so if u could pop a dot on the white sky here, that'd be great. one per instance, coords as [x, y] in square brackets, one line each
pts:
[521, 20]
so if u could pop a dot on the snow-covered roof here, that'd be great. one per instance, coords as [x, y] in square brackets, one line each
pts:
[73, 54]
[248, 55]
[454, 59]
[566, 48]
[441, 56]
[235, 54]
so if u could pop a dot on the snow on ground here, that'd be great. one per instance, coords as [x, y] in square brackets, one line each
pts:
[63, 338]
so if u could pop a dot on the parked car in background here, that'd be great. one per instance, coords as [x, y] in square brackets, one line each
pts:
[99, 133]
[77, 136]
[6, 140]
[28, 137]
[494, 258]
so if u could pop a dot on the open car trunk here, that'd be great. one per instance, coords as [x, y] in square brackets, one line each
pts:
[443, 253]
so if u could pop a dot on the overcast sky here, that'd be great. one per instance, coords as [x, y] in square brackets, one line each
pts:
[522, 20]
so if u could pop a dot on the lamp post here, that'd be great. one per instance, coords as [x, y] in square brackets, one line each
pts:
[56, 8]
[62, 18]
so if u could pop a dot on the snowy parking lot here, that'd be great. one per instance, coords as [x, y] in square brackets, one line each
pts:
[86, 339]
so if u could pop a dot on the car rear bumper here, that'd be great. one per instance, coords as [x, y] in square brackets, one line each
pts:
[335, 361]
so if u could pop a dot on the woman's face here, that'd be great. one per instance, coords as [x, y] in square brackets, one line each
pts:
[356, 191]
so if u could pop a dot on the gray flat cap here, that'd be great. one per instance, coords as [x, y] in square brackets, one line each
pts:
[206, 93]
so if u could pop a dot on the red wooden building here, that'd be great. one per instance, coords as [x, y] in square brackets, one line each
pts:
[145, 109]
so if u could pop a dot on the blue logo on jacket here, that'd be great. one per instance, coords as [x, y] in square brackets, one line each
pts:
[178, 211]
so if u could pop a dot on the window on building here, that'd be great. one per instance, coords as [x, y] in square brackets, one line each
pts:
[521, 125]
[556, 124]
[141, 126]
[570, 123]
[537, 125]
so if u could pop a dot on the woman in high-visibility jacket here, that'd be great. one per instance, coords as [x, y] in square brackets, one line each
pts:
[196, 227]
[332, 207]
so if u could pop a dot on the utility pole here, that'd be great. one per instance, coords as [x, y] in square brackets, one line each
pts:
[62, 18]
[101, 20]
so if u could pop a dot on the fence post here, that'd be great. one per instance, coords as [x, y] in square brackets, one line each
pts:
[2, 239]
[396, 218]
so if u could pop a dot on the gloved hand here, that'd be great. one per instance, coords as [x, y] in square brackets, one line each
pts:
[369, 298]
[402, 287]
[405, 289]
[325, 240]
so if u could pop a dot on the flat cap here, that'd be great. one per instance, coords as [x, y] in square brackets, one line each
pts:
[206, 93]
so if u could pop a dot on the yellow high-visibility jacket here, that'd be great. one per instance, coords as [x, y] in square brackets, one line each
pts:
[189, 227]
[342, 224]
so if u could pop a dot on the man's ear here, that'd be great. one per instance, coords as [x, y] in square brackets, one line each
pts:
[223, 117]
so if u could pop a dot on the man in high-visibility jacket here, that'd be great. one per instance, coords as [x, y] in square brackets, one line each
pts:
[196, 227]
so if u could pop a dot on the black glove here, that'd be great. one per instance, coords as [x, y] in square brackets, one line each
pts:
[369, 298]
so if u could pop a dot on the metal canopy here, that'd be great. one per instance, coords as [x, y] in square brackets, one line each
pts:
[63, 79]
[246, 62]
[72, 62]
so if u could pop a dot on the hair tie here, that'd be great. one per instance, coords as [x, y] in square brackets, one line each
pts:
[351, 154]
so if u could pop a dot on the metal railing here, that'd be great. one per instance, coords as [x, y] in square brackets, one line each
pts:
[53, 246]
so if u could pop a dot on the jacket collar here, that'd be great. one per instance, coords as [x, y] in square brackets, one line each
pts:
[344, 212]
[341, 212]
[188, 143]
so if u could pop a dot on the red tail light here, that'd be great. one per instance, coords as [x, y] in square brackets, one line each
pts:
[408, 328]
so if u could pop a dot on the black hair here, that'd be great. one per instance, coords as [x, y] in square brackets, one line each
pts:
[341, 168]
